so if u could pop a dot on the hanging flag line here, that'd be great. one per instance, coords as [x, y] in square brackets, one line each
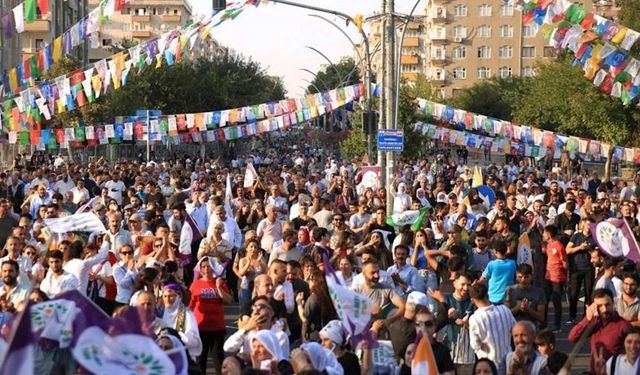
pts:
[593, 40]
[499, 136]
[76, 89]
[24, 75]
[211, 126]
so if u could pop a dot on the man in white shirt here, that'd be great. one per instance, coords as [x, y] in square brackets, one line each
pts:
[232, 232]
[63, 184]
[57, 279]
[116, 188]
[117, 235]
[624, 363]
[80, 267]
[13, 292]
[80, 193]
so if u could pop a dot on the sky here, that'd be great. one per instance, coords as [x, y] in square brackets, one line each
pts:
[275, 35]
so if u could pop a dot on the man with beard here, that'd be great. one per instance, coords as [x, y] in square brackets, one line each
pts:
[628, 304]
[382, 297]
[581, 272]
[57, 280]
[525, 359]
[526, 301]
[12, 293]
[608, 328]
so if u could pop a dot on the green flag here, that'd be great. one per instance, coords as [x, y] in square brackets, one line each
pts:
[415, 218]
[35, 69]
[29, 10]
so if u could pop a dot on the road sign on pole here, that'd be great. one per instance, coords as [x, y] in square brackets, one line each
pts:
[391, 140]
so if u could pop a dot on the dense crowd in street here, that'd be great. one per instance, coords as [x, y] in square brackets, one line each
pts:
[458, 277]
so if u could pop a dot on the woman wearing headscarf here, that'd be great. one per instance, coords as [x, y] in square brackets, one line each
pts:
[421, 196]
[312, 355]
[209, 294]
[401, 200]
[169, 341]
[265, 348]
[178, 316]
[332, 336]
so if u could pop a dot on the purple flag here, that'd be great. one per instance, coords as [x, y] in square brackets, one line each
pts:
[8, 25]
[614, 237]
[92, 315]
[20, 354]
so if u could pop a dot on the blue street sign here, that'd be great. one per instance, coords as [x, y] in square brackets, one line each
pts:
[391, 140]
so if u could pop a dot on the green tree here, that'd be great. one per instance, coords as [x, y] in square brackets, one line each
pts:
[408, 115]
[355, 144]
[328, 79]
[629, 14]
[558, 98]
[492, 97]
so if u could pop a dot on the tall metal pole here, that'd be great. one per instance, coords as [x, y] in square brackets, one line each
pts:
[148, 137]
[382, 161]
[390, 94]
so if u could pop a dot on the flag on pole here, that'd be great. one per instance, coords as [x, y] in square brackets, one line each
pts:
[250, 176]
[615, 238]
[424, 362]
[477, 177]
[189, 235]
[524, 250]
[85, 222]
[228, 196]
[413, 217]
[19, 357]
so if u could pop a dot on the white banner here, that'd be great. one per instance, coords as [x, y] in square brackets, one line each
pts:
[250, 176]
[85, 222]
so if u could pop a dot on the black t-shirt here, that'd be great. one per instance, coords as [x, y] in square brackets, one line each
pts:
[564, 222]
[349, 363]
[580, 261]
[443, 357]
[402, 333]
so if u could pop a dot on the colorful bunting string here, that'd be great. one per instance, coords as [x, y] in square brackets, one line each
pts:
[74, 90]
[25, 75]
[594, 41]
[473, 130]
[211, 126]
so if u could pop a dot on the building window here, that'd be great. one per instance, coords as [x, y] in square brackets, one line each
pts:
[154, 11]
[106, 42]
[460, 31]
[506, 31]
[529, 31]
[505, 52]
[484, 10]
[456, 92]
[460, 73]
[484, 52]
[125, 11]
[527, 71]
[460, 53]
[549, 52]
[176, 12]
[484, 73]
[506, 10]
[39, 43]
[460, 11]
[141, 11]
[484, 31]
[505, 72]
[529, 52]
[126, 27]
[439, 32]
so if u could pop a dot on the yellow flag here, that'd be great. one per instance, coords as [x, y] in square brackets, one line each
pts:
[57, 49]
[477, 177]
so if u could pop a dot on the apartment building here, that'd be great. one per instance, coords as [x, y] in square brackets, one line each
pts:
[62, 16]
[412, 53]
[468, 41]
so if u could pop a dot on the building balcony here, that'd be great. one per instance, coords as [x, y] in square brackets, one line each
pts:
[411, 42]
[141, 18]
[440, 17]
[37, 26]
[409, 60]
[172, 18]
[411, 77]
[438, 39]
[141, 34]
[439, 60]
[438, 80]
[413, 26]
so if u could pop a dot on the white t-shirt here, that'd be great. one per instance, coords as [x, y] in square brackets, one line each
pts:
[115, 190]
[63, 187]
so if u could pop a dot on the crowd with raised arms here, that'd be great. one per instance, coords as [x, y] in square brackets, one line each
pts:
[482, 272]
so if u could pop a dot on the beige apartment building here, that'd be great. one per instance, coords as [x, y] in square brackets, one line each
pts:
[141, 20]
[469, 41]
[460, 42]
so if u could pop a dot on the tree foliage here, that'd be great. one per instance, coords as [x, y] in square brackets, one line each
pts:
[559, 98]
[222, 82]
[341, 74]
[494, 97]
[408, 115]
[629, 14]
[355, 144]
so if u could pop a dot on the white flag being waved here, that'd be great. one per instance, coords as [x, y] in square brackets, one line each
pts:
[85, 222]
[250, 176]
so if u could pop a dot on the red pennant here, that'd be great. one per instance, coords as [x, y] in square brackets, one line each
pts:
[44, 6]
[120, 5]
[59, 135]
[607, 84]
[26, 69]
[34, 137]
[182, 123]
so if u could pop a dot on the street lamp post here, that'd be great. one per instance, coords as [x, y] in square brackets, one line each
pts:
[348, 19]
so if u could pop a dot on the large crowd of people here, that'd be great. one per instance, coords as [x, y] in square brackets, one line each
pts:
[457, 277]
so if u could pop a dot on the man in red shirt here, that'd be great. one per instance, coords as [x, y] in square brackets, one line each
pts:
[556, 273]
[606, 326]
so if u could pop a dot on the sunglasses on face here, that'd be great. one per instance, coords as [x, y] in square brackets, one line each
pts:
[126, 252]
[426, 323]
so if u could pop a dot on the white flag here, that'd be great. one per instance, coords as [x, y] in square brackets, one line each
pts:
[250, 176]
[86, 222]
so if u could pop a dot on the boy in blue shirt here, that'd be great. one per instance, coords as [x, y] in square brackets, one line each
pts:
[500, 273]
